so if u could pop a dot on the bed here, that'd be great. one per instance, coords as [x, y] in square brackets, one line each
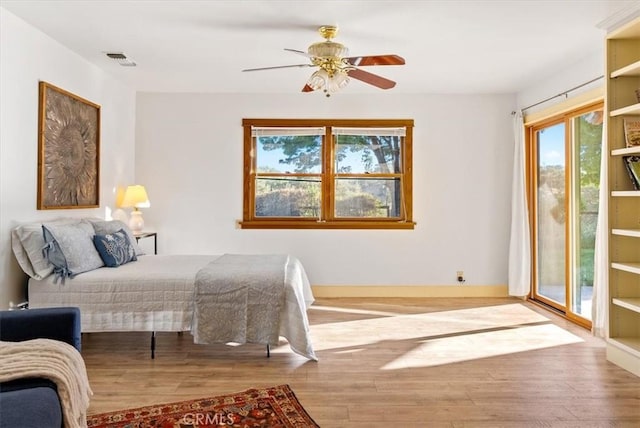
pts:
[218, 298]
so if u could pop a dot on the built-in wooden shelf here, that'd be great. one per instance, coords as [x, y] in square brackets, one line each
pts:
[633, 109]
[631, 303]
[630, 70]
[627, 267]
[626, 193]
[626, 151]
[634, 233]
[623, 78]
[629, 344]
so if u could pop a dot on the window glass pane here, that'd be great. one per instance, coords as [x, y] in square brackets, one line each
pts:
[288, 197]
[587, 136]
[552, 214]
[360, 154]
[367, 197]
[289, 153]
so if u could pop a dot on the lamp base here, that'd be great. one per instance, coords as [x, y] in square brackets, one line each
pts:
[136, 222]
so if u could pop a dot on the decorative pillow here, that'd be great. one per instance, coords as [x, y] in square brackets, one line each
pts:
[105, 227]
[115, 248]
[27, 243]
[69, 248]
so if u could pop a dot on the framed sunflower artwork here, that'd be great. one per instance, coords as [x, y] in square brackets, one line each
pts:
[68, 150]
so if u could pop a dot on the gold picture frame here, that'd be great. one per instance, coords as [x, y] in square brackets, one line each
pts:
[68, 150]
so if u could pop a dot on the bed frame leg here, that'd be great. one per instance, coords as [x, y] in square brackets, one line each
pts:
[268, 352]
[153, 345]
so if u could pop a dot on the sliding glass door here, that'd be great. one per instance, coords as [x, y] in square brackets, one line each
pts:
[564, 159]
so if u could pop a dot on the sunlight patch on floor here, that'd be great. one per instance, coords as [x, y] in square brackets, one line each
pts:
[443, 337]
[447, 350]
[358, 333]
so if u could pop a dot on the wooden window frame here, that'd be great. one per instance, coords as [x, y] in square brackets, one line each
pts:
[327, 220]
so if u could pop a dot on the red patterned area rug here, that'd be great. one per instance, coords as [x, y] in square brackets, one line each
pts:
[275, 407]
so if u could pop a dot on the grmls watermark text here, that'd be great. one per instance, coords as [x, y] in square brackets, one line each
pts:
[196, 419]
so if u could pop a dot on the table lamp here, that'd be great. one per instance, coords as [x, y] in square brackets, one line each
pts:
[136, 196]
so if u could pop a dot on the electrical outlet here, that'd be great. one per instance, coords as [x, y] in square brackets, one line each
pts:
[460, 276]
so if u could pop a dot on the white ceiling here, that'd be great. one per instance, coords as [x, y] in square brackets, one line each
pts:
[453, 46]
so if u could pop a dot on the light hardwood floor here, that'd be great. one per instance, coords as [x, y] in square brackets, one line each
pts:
[391, 363]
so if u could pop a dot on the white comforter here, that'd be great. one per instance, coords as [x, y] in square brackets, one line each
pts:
[155, 293]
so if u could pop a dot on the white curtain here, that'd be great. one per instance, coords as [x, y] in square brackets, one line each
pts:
[599, 308]
[520, 243]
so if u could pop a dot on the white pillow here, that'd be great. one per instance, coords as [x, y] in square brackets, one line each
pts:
[27, 243]
[70, 248]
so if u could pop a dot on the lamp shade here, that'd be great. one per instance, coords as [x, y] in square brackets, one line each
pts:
[136, 196]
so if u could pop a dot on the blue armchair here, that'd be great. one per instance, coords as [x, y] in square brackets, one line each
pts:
[34, 402]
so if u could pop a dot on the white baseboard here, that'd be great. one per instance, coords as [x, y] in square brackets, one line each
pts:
[329, 291]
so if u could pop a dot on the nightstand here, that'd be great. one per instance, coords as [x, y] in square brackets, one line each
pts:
[153, 235]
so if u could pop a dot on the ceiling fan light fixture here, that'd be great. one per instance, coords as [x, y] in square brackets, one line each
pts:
[328, 82]
[335, 68]
[318, 79]
[337, 81]
[328, 50]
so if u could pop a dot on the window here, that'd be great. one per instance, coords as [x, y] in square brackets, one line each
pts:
[327, 173]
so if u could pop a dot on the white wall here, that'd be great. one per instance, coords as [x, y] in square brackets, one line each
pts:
[591, 66]
[189, 156]
[26, 57]
[585, 70]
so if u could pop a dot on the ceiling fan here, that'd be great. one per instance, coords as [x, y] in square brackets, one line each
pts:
[335, 67]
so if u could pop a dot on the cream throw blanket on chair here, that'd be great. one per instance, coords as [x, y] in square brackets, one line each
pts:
[54, 360]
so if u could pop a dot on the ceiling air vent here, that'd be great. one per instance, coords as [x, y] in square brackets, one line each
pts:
[121, 58]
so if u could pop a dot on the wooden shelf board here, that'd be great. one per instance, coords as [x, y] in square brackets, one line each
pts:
[629, 70]
[627, 267]
[626, 193]
[631, 110]
[630, 30]
[631, 303]
[626, 151]
[634, 233]
[629, 344]
[625, 353]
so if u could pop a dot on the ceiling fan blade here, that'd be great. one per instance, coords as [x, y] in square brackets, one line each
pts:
[307, 88]
[278, 66]
[371, 79]
[303, 53]
[361, 61]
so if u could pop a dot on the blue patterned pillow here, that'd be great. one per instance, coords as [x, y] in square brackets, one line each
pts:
[104, 227]
[115, 248]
